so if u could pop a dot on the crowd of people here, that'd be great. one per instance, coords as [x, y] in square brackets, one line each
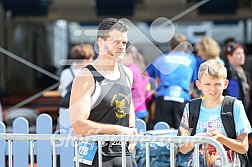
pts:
[108, 93]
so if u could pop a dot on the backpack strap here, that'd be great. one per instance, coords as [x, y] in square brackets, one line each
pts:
[194, 109]
[227, 117]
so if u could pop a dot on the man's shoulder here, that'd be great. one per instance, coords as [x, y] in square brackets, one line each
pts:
[127, 69]
[128, 72]
[84, 74]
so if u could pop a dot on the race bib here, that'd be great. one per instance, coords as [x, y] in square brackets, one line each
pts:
[87, 152]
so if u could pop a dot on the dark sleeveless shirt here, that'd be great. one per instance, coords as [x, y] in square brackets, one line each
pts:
[112, 106]
[113, 103]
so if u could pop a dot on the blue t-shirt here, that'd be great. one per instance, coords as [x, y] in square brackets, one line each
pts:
[210, 119]
[176, 70]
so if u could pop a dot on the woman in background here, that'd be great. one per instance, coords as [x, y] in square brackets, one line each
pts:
[80, 56]
[239, 81]
[1, 115]
[207, 48]
[140, 93]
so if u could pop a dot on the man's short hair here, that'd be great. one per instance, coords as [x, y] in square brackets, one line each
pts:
[110, 24]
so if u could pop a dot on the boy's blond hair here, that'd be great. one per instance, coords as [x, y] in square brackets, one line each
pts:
[213, 68]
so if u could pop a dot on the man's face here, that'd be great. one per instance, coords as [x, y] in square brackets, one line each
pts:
[115, 44]
[212, 87]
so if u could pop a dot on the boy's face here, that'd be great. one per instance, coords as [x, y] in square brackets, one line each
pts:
[212, 87]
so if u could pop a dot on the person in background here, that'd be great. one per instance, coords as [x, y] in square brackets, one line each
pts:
[248, 68]
[207, 48]
[229, 40]
[146, 78]
[101, 101]
[176, 72]
[80, 56]
[151, 105]
[140, 82]
[239, 80]
[1, 113]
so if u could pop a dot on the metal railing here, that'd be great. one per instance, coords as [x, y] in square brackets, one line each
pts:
[172, 140]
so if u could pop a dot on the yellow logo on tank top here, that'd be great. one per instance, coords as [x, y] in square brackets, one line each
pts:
[120, 103]
[121, 106]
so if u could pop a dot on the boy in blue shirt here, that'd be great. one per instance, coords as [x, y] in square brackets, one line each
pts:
[212, 81]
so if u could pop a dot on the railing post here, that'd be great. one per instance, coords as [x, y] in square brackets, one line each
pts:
[10, 152]
[2, 146]
[196, 147]
[76, 152]
[172, 155]
[54, 153]
[147, 154]
[123, 154]
[32, 153]
[100, 153]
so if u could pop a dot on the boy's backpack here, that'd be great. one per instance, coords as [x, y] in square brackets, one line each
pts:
[226, 117]
[64, 101]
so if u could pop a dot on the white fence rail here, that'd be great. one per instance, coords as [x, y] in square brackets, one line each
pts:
[43, 149]
[54, 139]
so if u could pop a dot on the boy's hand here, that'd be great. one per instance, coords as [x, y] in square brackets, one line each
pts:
[216, 134]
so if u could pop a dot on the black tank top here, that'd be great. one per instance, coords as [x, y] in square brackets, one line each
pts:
[113, 103]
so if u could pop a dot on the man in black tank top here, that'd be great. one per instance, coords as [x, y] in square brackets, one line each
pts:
[100, 100]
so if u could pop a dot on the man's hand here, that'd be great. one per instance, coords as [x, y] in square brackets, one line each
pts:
[128, 131]
[122, 130]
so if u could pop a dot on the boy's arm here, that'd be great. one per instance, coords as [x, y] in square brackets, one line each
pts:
[240, 144]
[184, 130]
[243, 128]
[186, 147]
